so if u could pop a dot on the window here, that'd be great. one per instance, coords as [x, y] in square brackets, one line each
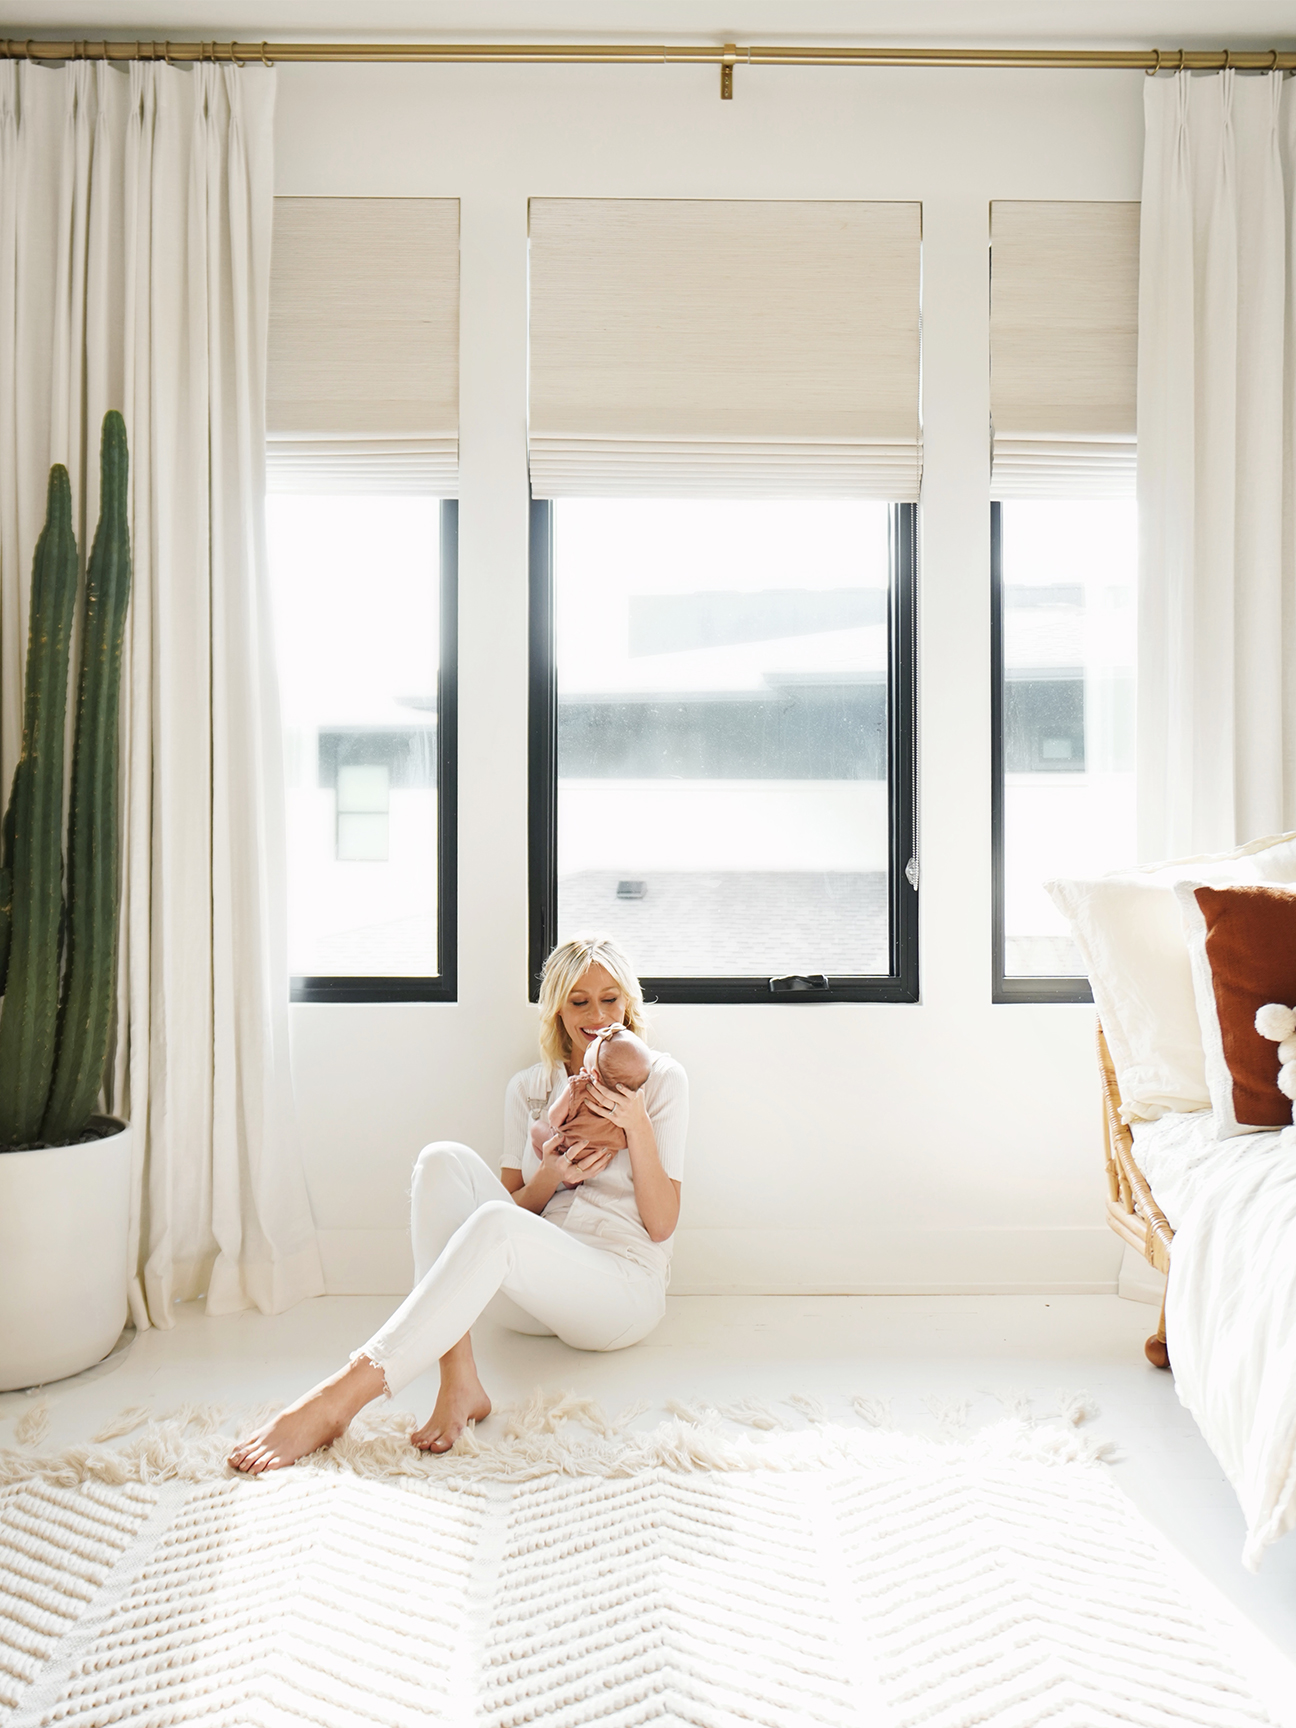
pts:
[364, 588]
[721, 743]
[1063, 574]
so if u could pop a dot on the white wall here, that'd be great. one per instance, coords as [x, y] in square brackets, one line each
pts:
[950, 1145]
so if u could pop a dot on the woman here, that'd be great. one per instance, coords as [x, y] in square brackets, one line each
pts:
[575, 1244]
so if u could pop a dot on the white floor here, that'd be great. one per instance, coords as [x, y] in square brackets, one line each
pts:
[917, 1350]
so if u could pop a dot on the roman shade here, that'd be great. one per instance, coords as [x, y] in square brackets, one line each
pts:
[363, 358]
[724, 348]
[1063, 349]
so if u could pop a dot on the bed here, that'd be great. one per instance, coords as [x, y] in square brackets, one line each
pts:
[1228, 1209]
[1131, 1211]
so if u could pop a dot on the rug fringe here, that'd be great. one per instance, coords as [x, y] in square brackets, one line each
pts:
[550, 1434]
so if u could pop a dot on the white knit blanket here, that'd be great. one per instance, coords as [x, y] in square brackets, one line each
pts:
[808, 1580]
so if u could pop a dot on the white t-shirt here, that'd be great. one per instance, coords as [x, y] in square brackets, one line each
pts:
[602, 1210]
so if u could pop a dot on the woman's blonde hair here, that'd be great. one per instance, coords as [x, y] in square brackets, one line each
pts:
[563, 970]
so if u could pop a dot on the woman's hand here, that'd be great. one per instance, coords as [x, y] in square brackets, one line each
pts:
[656, 1194]
[575, 1164]
[621, 1106]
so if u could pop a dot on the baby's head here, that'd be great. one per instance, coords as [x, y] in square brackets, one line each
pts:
[620, 1059]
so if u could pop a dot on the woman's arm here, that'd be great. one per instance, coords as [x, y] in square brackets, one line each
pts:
[557, 1167]
[656, 1194]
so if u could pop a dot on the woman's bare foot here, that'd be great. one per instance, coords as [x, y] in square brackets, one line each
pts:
[313, 1421]
[461, 1400]
[456, 1407]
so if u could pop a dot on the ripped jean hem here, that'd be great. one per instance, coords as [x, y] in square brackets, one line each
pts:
[367, 1354]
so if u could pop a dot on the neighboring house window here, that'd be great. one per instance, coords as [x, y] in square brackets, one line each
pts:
[1064, 575]
[365, 600]
[722, 743]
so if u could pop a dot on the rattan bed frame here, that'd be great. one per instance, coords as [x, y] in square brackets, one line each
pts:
[1131, 1211]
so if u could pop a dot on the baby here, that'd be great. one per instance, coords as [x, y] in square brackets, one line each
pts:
[615, 1058]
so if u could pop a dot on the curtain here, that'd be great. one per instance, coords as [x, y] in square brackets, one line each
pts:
[135, 214]
[1216, 410]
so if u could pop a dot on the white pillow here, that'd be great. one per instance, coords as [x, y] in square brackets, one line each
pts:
[1130, 934]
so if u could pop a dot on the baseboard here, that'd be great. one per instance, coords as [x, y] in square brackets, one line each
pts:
[1071, 1259]
[1075, 1260]
[1139, 1282]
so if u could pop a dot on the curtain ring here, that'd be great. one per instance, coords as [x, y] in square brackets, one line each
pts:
[264, 61]
[1228, 59]
[1273, 60]
[234, 57]
[166, 52]
[1155, 67]
[27, 49]
[104, 55]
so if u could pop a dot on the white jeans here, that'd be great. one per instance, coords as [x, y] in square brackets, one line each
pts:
[474, 1248]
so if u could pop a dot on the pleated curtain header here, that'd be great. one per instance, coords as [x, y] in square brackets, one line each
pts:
[724, 348]
[1063, 348]
[363, 357]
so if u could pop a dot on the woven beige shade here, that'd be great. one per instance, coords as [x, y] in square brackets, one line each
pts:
[724, 348]
[1063, 348]
[364, 334]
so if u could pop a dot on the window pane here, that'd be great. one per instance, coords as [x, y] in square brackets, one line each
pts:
[722, 733]
[355, 582]
[1068, 588]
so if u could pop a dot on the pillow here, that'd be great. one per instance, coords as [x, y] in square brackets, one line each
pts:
[1130, 934]
[1242, 947]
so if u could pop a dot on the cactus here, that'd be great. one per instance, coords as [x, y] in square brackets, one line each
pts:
[54, 1044]
[6, 890]
[85, 1014]
[35, 819]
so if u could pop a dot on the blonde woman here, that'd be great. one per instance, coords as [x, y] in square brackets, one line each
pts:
[575, 1244]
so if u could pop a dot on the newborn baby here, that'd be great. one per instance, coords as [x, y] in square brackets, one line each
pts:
[615, 1058]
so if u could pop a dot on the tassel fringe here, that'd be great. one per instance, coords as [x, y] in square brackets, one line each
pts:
[557, 1434]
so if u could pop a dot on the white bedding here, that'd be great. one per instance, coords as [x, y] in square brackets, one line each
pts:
[1231, 1304]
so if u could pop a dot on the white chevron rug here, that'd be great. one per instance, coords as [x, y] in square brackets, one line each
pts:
[813, 1580]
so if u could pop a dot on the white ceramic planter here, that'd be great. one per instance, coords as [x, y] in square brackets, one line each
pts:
[64, 1221]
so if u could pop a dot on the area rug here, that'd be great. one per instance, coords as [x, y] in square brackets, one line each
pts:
[573, 1572]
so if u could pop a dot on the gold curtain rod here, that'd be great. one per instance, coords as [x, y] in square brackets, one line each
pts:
[727, 55]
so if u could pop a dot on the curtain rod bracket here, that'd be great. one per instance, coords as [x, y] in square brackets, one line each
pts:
[728, 58]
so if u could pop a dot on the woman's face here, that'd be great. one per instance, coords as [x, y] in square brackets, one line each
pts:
[596, 1001]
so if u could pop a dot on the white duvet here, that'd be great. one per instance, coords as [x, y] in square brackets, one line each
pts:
[1231, 1304]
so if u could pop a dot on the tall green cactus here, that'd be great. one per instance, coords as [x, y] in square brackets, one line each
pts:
[54, 1044]
[35, 820]
[85, 1015]
[6, 890]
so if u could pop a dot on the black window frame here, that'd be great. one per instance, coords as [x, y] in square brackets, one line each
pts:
[444, 986]
[1003, 987]
[899, 985]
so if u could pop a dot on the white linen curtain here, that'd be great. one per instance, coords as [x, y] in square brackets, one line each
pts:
[135, 215]
[1217, 458]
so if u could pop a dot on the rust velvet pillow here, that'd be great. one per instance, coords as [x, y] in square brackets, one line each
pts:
[1242, 946]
